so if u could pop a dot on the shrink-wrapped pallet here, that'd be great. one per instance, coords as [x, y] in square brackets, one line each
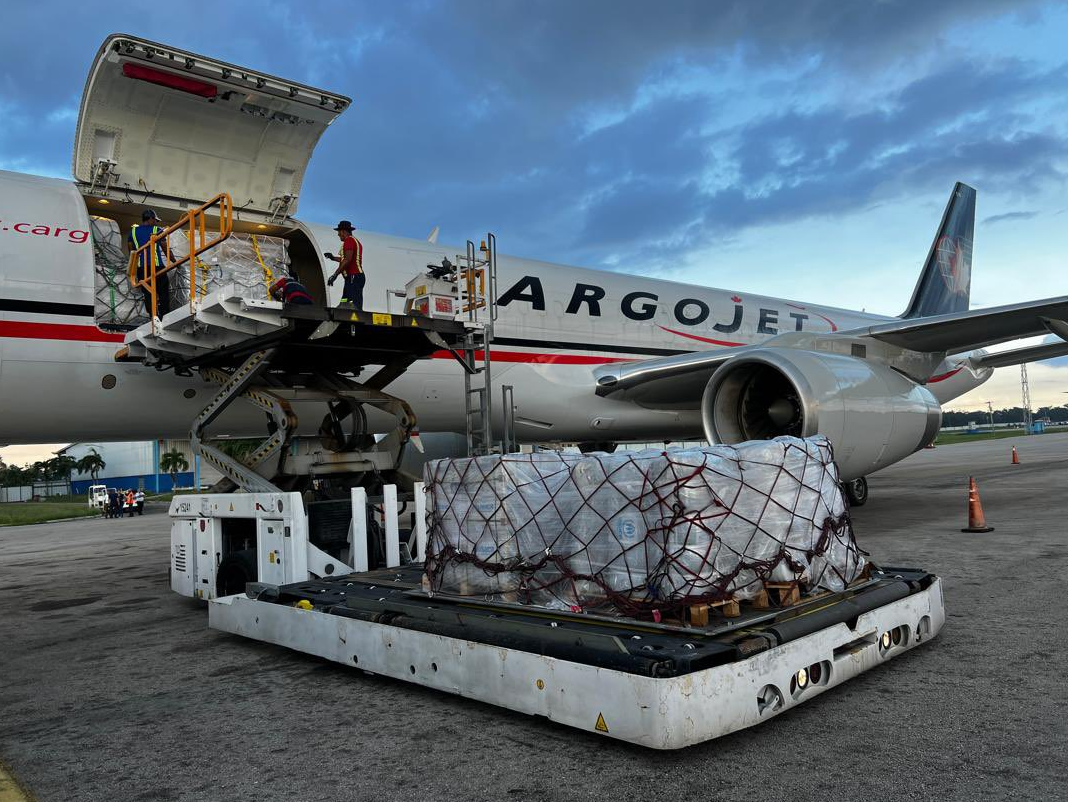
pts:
[249, 262]
[633, 531]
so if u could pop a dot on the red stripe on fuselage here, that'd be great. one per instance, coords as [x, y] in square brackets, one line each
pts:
[543, 359]
[56, 331]
[70, 332]
[702, 339]
[943, 376]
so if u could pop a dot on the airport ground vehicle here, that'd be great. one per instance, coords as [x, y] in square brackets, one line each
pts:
[661, 685]
[98, 496]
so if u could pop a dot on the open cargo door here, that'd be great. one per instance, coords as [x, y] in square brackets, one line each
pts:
[183, 127]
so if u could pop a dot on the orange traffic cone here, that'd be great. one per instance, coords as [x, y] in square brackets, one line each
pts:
[1015, 456]
[976, 519]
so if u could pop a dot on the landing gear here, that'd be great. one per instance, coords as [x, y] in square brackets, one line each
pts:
[857, 491]
[599, 445]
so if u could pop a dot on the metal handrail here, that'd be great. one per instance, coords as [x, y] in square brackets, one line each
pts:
[196, 220]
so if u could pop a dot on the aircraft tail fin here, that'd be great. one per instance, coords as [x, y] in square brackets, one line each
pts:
[945, 284]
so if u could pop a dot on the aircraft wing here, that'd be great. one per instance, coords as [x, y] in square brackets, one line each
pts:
[666, 382]
[677, 382]
[956, 332]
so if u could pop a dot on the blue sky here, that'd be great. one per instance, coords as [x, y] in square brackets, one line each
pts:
[802, 148]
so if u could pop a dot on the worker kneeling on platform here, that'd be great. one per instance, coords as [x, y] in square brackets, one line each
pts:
[290, 291]
[351, 264]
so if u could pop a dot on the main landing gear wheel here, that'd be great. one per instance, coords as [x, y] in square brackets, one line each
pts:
[599, 445]
[857, 491]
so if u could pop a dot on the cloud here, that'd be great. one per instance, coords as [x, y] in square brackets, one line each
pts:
[1007, 216]
[608, 133]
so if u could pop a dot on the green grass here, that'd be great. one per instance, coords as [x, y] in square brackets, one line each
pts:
[951, 438]
[17, 513]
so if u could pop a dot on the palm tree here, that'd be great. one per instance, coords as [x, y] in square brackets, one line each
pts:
[92, 464]
[173, 462]
[59, 467]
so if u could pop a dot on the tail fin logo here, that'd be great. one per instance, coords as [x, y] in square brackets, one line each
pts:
[953, 265]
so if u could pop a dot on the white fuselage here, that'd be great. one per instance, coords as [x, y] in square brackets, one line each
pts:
[556, 323]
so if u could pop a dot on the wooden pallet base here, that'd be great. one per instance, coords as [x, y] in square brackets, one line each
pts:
[699, 612]
[778, 594]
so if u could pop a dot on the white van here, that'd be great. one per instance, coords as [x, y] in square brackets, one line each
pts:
[98, 496]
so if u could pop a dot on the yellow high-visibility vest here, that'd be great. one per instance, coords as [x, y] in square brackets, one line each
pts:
[156, 257]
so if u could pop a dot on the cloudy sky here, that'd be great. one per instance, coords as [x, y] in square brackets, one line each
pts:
[802, 148]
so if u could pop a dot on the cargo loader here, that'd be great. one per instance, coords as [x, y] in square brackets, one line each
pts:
[663, 685]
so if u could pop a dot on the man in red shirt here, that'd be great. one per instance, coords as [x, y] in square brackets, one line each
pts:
[351, 264]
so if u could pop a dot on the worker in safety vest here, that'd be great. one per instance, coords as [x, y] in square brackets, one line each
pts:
[351, 264]
[151, 259]
[290, 291]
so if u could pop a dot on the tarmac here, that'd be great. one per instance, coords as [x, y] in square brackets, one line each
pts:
[113, 688]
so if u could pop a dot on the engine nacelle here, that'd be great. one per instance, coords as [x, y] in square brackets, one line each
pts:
[873, 415]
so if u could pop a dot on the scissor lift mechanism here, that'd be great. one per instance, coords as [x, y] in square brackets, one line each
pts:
[273, 356]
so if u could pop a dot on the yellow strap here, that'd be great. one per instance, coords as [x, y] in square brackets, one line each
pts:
[268, 276]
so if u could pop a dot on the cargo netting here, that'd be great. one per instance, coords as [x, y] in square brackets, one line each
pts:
[640, 532]
[117, 306]
[249, 263]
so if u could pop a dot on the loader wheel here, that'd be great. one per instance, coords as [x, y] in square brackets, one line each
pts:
[857, 491]
[235, 571]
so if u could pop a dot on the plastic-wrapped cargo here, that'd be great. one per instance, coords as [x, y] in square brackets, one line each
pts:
[117, 306]
[635, 531]
[249, 262]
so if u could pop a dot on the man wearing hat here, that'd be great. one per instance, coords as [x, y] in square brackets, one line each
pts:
[153, 257]
[351, 264]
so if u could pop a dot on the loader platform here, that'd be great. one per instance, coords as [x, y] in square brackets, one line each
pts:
[660, 685]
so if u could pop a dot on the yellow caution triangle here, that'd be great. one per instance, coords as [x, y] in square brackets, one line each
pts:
[354, 319]
[414, 322]
[600, 726]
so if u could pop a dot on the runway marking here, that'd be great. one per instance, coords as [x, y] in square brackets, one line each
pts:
[10, 790]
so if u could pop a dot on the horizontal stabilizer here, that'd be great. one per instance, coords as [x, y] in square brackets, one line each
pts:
[965, 331]
[1018, 356]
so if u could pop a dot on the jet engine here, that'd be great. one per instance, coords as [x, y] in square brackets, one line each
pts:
[873, 415]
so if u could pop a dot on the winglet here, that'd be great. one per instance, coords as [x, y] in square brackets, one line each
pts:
[945, 284]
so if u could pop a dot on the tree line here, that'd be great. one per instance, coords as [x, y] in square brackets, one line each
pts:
[60, 467]
[1008, 415]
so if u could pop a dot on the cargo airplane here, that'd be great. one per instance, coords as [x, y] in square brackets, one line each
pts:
[594, 357]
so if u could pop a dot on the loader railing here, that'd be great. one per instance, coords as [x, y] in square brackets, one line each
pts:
[200, 240]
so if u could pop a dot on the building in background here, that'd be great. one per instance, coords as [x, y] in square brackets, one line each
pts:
[136, 465]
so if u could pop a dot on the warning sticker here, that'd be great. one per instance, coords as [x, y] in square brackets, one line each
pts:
[600, 726]
[380, 319]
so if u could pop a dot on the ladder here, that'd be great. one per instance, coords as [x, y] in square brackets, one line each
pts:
[477, 290]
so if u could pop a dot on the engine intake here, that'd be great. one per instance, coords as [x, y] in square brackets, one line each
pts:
[872, 414]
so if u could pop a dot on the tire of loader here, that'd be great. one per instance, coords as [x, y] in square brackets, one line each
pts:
[235, 571]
